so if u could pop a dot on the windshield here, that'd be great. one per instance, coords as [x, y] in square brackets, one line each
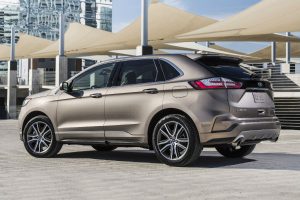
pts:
[224, 67]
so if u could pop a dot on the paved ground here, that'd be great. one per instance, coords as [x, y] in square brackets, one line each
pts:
[271, 172]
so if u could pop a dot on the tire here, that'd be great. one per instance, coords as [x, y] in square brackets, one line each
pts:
[230, 152]
[169, 148]
[101, 147]
[37, 134]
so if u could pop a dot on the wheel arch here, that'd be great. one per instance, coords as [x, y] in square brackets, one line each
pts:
[32, 115]
[158, 116]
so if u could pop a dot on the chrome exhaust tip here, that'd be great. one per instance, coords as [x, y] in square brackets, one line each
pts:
[238, 140]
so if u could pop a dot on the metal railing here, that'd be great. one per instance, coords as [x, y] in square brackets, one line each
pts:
[265, 73]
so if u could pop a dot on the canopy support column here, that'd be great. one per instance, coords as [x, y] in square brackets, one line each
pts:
[144, 48]
[286, 67]
[34, 83]
[288, 50]
[273, 53]
[11, 101]
[207, 44]
[61, 65]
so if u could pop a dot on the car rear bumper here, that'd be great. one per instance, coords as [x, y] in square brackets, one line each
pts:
[228, 130]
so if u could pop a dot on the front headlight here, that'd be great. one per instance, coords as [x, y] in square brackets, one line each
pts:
[25, 102]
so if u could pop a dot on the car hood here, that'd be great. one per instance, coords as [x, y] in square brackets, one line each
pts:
[43, 94]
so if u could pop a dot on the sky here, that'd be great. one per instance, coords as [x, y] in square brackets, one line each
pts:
[126, 11]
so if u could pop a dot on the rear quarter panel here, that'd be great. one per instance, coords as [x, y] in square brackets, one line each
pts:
[201, 105]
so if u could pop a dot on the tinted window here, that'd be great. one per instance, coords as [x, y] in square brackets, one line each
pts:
[225, 67]
[94, 78]
[169, 71]
[137, 72]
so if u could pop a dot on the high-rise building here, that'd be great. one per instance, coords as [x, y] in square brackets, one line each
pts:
[97, 13]
[41, 17]
[9, 16]
[1, 26]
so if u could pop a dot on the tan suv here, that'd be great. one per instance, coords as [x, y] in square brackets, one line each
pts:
[170, 103]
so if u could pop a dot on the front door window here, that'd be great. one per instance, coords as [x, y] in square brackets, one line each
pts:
[94, 78]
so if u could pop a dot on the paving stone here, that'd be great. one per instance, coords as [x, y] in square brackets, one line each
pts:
[79, 172]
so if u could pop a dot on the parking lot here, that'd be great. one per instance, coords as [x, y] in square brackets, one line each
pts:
[79, 172]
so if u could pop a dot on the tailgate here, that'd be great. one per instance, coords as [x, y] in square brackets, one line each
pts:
[251, 101]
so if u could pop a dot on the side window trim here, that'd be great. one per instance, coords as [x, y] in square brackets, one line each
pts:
[172, 65]
[93, 70]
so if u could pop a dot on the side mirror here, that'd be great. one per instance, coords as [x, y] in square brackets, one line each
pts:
[65, 86]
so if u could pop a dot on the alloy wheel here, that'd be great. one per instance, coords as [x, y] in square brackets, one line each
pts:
[39, 137]
[173, 140]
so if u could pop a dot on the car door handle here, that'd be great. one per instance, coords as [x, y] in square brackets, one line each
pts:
[96, 95]
[151, 91]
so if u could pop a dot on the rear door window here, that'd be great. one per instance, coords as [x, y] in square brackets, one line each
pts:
[137, 72]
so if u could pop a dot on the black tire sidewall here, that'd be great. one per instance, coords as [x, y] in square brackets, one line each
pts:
[55, 146]
[194, 142]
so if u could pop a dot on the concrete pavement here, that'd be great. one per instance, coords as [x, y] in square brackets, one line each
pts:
[79, 172]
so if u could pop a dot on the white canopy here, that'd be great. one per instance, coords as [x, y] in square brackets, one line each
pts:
[265, 53]
[267, 16]
[204, 49]
[25, 47]
[77, 38]
[165, 23]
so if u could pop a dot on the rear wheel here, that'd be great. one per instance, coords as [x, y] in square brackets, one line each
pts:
[176, 141]
[103, 147]
[39, 138]
[235, 152]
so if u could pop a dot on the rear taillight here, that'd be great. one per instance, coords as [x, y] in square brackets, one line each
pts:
[216, 83]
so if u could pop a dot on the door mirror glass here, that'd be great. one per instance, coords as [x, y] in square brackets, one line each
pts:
[65, 86]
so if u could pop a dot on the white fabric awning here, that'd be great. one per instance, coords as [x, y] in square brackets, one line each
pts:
[265, 53]
[204, 49]
[77, 38]
[267, 16]
[165, 23]
[26, 45]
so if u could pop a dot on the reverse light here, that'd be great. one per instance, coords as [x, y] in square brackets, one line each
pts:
[215, 83]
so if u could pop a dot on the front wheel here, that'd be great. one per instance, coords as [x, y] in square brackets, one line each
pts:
[176, 141]
[39, 138]
[235, 152]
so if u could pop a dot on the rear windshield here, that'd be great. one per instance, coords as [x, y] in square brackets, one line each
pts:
[225, 67]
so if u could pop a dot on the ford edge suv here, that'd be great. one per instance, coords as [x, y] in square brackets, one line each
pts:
[172, 104]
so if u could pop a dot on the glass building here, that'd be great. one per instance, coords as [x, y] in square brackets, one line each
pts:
[41, 17]
[9, 16]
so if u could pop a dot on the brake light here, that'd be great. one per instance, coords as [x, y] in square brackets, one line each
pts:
[216, 83]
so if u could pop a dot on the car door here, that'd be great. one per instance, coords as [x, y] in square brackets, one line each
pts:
[80, 113]
[137, 94]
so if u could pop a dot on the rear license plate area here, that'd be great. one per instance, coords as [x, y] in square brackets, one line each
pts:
[259, 97]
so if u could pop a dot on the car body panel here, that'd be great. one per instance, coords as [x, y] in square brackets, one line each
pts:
[127, 111]
[79, 115]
